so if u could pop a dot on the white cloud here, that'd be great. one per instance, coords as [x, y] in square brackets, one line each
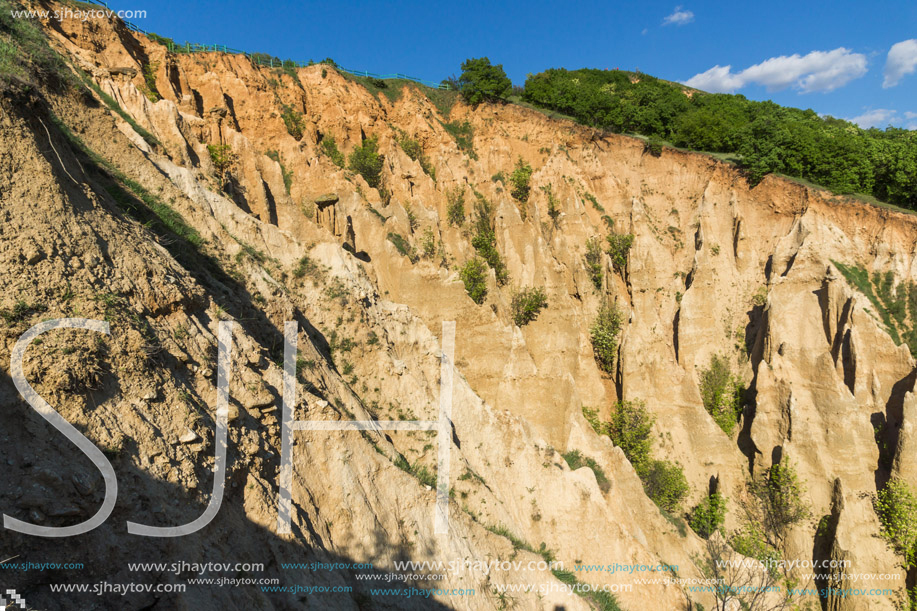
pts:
[878, 117]
[902, 60]
[815, 71]
[912, 119]
[679, 17]
[883, 117]
[718, 79]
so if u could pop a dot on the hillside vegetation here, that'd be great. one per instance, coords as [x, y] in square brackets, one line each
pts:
[764, 136]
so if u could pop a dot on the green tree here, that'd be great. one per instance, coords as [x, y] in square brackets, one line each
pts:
[762, 136]
[482, 81]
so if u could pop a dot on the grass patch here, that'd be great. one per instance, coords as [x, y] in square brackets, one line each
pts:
[25, 54]
[402, 245]
[463, 134]
[413, 150]
[287, 174]
[114, 106]
[21, 311]
[443, 99]
[895, 305]
[305, 267]
[604, 601]
[575, 460]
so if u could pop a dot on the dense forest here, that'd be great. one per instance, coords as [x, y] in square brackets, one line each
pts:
[763, 136]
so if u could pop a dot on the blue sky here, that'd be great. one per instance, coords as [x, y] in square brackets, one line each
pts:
[834, 58]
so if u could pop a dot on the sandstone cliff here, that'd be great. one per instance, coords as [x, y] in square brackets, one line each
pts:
[716, 268]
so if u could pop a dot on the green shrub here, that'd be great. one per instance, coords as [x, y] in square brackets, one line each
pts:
[221, 155]
[329, 148]
[294, 122]
[760, 135]
[553, 207]
[576, 460]
[428, 243]
[289, 68]
[527, 304]
[403, 246]
[149, 82]
[619, 248]
[474, 276]
[412, 217]
[721, 392]
[592, 417]
[709, 515]
[484, 239]
[781, 499]
[287, 174]
[162, 40]
[520, 179]
[594, 262]
[413, 150]
[630, 429]
[665, 483]
[896, 507]
[455, 212]
[653, 146]
[751, 543]
[604, 335]
[896, 306]
[481, 81]
[366, 161]
[305, 266]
